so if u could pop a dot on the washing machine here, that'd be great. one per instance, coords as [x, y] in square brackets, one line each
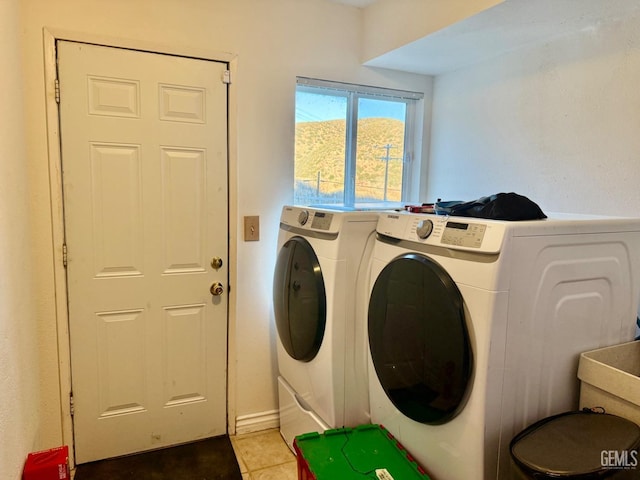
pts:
[475, 327]
[320, 280]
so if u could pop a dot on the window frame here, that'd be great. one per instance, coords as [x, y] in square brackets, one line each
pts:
[414, 103]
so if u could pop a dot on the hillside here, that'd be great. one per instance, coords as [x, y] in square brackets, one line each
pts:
[320, 153]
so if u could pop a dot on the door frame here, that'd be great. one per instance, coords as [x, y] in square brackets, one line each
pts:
[50, 37]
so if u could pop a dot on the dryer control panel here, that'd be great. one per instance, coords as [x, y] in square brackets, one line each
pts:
[458, 233]
[323, 221]
[309, 219]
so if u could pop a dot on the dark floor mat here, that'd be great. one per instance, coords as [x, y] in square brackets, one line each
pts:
[211, 459]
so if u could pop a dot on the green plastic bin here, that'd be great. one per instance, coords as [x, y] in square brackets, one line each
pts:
[367, 451]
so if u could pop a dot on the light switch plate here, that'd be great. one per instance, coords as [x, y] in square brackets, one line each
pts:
[251, 228]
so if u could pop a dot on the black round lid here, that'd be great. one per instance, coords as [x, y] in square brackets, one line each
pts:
[419, 341]
[573, 443]
[299, 299]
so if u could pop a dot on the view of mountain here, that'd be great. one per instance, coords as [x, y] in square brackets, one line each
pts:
[320, 159]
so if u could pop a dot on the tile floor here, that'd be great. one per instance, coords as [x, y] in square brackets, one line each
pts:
[264, 456]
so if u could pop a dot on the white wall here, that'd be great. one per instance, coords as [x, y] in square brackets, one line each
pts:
[19, 372]
[389, 24]
[274, 41]
[558, 122]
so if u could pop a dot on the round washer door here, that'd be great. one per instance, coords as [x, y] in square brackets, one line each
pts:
[419, 340]
[299, 299]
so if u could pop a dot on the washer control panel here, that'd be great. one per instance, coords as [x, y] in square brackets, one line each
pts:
[458, 233]
[424, 228]
[464, 234]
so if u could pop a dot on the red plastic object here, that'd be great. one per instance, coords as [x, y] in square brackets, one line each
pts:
[52, 464]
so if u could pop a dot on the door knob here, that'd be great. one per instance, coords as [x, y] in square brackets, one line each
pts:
[216, 289]
[216, 262]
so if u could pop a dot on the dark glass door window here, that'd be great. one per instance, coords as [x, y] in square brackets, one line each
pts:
[299, 299]
[419, 339]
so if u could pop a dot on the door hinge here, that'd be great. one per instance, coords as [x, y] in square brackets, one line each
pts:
[226, 77]
[72, 407]
[64, 255]
[57, 90]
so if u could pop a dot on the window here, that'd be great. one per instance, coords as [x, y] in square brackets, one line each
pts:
[354, 145]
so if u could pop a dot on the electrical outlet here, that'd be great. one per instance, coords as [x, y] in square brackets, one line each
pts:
[252, 228]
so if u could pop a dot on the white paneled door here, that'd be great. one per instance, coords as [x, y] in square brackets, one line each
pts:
[144, 158]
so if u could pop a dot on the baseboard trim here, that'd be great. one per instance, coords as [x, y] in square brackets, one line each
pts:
[256, 422]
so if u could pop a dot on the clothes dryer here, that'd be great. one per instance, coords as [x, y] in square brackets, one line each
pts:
[475, 327]
[320, 278]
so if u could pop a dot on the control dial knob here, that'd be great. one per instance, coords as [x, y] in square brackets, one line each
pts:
[303, 217]
[424, 228]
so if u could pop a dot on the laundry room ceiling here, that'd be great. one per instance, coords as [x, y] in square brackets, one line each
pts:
[355, 3]
[505, 27]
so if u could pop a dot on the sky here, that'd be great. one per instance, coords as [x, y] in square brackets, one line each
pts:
[311, 107]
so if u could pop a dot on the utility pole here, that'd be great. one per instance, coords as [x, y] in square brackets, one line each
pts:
[386, 159]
